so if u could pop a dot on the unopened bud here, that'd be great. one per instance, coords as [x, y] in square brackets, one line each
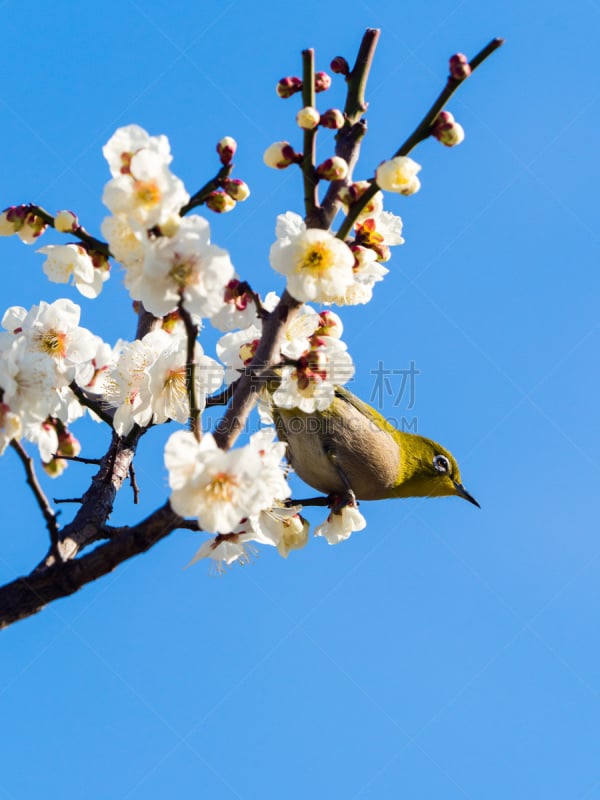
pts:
[340, 66]
[55, 467]
[7, 226]
[286, 87]
[332, 118]
[220, 202]
[330, 324]
[170, 321]
[459, 67]
[32, 229]
[226, 148]
[68, 445]
[66, 221]
[280, 155]
[237, 189]
[446, 130]
[170, 226]
[308, 118]
[333, 169]
[322, 81]
[236, 294]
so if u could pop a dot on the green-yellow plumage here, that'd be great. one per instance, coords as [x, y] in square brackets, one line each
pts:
[350, 442]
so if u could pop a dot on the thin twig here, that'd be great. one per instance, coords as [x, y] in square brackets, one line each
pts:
[201, 195]
[421, 132]
[133, 483]
[309, 501]
[93, 405]
[59, 500]
[245, 288]
[311, 198]
[348, 139]
[79, 459]
[79, 232]
[38, 493]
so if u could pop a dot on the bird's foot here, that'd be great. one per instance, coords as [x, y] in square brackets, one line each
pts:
[340, 500]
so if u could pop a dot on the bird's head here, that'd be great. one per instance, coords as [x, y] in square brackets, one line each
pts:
[429, 470]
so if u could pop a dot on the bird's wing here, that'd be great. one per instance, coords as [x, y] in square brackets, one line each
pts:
[365, 408]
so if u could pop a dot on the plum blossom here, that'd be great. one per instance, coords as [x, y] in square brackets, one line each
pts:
[339, 525]
[72, 261]
[168, 387]
[142, 186]
[318, 266]
[184, 267]
[220, 488]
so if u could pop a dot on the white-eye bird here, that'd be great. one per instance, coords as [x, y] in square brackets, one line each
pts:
[352, 447]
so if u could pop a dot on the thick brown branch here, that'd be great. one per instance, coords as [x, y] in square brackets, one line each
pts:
[97, 503]
[191, 330]
[267, 354]
[28, 595]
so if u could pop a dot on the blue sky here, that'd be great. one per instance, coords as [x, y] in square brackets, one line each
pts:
[444, 652]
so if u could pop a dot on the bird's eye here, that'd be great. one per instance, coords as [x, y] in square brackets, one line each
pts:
[441, 463]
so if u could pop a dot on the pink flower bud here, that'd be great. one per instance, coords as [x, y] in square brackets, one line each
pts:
[32, 228]
[226, 148]
[220, 202]
[66, 221]
[322, 81]
[333, 169]
[308, 118]
[280, 155]
[459, 67]
[237, 189]
[332, 118]
[68, 445]
[286, 87]
[340, 66]
[236, 295]
[446, 130]
[330, 324]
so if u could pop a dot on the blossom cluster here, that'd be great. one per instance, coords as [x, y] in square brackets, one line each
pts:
[53, 371]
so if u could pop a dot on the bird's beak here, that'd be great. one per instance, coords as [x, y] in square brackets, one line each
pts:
[462, 492]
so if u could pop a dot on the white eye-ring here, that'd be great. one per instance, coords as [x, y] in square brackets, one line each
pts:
[441, 463]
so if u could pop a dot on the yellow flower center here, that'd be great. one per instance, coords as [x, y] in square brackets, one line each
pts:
[147, 193]
[182, 272]
[53, 343]
[316, 259]
[221, 488]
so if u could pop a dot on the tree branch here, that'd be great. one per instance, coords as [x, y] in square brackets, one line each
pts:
[41, 499]
[27, 595]
[79, 232]
[200, 197]
[421, 132]
[348, 139]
